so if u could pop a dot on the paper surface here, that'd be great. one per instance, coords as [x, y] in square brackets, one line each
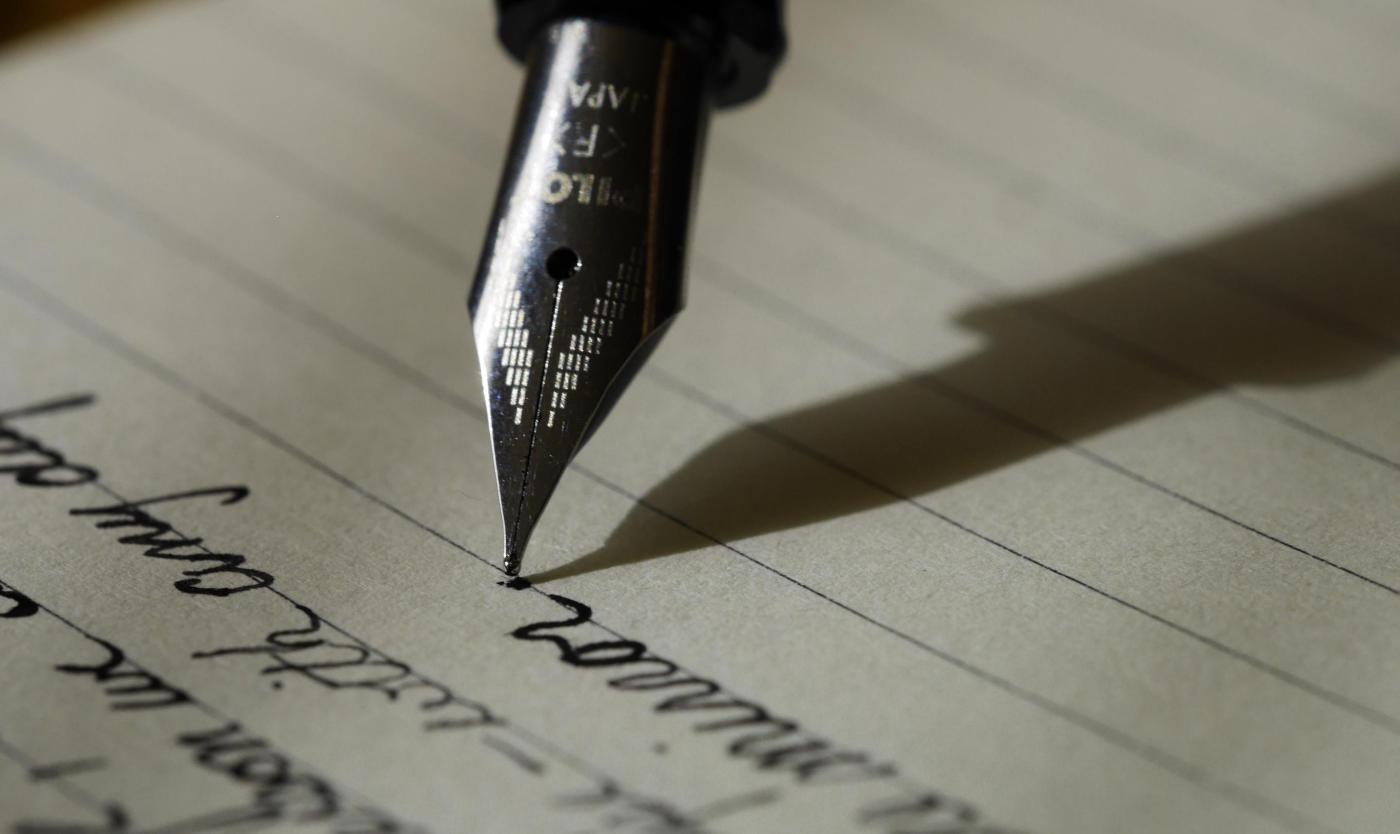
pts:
[1027, 459]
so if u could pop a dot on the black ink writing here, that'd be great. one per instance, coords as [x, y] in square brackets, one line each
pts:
[770, 743]
[340, 664]
[279, 791]
[220, 574]
[755, 735]
[14, 605]
[128, 686]
[31, 463]
[334, 664]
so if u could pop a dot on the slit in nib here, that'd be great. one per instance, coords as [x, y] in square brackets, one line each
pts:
[513, 553]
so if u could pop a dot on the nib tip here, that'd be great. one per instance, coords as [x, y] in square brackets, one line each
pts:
[512, 563]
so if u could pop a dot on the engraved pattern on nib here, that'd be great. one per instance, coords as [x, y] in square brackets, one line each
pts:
[608, 308]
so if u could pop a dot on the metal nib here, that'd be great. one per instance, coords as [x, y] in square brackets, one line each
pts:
[583, 262]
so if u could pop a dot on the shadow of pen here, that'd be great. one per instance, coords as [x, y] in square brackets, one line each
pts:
[1314, 296]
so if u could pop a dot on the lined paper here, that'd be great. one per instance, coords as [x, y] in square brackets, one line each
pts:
[1027, 459]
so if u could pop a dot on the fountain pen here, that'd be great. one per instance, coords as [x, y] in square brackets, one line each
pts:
[582, 268]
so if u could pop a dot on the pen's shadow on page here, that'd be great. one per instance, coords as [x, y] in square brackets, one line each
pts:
[1335, 264]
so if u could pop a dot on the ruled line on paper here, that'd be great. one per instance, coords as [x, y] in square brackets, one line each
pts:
[980, 51]
[1148, 132]
[172, 105]
[383, 87]
[918, 132]
[263, 30]
[302, 175]
[32, 294]
[35, 296]
[865, 616]
[144, 682]
[921, 253]
[1259, 532]
[1246, 798]
[1044, 434]
[916, 252]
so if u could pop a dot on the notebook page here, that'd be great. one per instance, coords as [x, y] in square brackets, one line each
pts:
[1026, 458]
